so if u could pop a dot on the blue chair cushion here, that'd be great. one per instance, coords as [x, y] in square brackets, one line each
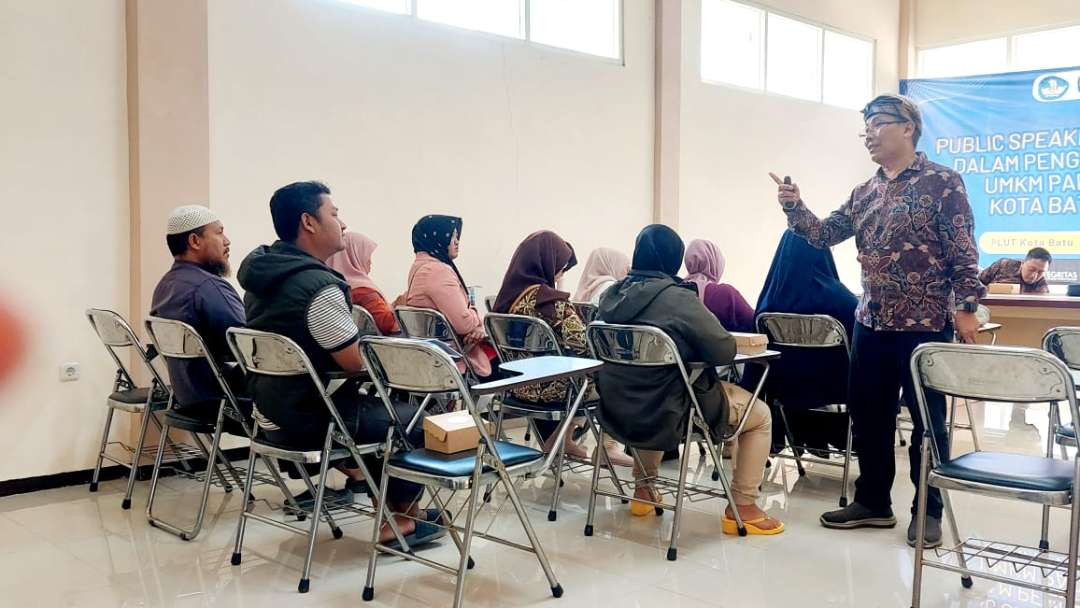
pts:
[1067, 430]
[461, 464]
[1011, 470]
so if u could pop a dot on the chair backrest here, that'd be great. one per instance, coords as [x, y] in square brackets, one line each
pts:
[178, 340]
[519, 336]
[990, 373]
[365, 322]
[586, 310]
[1064, 343]
[115, 333]
[802, 331]
[410, 365]
[430, 324]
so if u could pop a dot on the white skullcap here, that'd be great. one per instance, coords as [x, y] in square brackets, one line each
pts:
[189, 217]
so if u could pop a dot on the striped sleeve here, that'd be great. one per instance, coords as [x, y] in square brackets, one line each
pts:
[329, 319]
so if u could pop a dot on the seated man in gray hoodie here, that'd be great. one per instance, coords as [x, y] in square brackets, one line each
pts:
[291, 291]
[648, 408]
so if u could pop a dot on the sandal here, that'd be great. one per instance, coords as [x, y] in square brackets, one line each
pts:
[730, 527]
[426, 531]
[641, 509]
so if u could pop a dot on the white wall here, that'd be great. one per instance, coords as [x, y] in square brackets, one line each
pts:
[939, 22]
[63, 170]
[403, 118]
[732, 138]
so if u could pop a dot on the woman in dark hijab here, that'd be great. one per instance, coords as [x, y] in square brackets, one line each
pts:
[803, 280]
[647, 408]
[435, 282]
[530, 288]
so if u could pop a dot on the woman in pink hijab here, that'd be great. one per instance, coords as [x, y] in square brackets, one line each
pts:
[704, 267]
[604, 268]
[354, 263]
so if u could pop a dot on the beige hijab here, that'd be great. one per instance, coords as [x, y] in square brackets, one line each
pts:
[603, 266]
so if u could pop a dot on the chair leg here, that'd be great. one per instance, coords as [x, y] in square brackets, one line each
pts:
[790, 438]
[470, 521]
[147, 415]
[596, 482]
[1055, 423]
[971, 423]
[445, 519]
[101, 450]
[382, 511]
[560, 460]
[920, 528]
[320, 494]
[242, 523]
[212, 464]
[952, 422]
[1074, 542]
[965, 578]
[523, 517]
[158, 456]
[684, 463]
[590, 421]
[847, 465]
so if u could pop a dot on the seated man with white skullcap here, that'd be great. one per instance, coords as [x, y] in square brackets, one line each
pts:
[195, 292]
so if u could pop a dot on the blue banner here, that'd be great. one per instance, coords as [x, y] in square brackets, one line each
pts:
[1015, 139]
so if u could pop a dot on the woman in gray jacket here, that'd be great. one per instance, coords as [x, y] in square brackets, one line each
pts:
[647, 408]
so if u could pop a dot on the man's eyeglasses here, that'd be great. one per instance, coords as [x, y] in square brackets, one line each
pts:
[876, 126]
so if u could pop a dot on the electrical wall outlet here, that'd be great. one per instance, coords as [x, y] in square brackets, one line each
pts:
[69, 372]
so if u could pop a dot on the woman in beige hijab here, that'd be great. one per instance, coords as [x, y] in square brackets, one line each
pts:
[604, 268]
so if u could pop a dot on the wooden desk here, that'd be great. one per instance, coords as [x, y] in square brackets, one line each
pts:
[1025, 318]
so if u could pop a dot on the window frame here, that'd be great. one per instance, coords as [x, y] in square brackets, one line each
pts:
[526, 29]
[764, 89]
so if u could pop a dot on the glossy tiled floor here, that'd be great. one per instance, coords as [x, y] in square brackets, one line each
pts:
[68, 547]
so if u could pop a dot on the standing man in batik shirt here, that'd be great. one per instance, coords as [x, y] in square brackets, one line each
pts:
[915, 235]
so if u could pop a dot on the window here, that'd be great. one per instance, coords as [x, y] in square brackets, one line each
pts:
[587, 26]
[502, 17]
[753, 47]
[1056, 48]
[849, 69]
[401, 7]
[793, 58]
[730, 30]
[982, 57]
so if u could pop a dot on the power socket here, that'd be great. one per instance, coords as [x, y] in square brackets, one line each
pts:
[69, 372]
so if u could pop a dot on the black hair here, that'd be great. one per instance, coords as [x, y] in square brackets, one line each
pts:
[178, 243]
[1039, 253]
[291, 202]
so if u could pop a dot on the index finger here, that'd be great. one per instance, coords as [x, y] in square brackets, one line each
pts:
[776, 178]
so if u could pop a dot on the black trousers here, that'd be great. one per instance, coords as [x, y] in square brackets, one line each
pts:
[880, 367]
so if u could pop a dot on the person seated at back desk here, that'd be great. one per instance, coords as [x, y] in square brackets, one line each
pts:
[194, 292]
[1029, 274]
[292, 292]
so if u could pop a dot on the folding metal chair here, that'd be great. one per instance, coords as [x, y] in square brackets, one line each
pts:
[1004, 374]
[489, 302]
[586, 310]
[365, 322]
[518, 337]
[420, 367]
[268, 354]
[178, 340]
[430, 324]
[1064, 343]
[127, 396]
[650, 347]
[823, 336]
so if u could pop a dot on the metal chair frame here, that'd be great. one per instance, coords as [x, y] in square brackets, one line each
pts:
[518, 337]
[178, 340]
[645, 346]
[270, 354]
[115, 333]
[810, 332]
[364, 321]
[586, 310]
[417, 366]
[1064, 343]
[993, 373]
[428, 323]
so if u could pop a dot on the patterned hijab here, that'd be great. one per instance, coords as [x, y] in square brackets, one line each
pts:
[537, 260]
[704, 264]
[354, 262]
[603, 266]
[432, 235]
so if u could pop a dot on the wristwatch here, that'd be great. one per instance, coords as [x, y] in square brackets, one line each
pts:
[967, 306]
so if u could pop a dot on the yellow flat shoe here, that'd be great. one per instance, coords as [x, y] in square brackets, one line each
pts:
[641, 509]
[730, 527]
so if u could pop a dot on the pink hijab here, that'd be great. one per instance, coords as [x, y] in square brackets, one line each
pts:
[704, 264]
[603, 266]
[354, 262]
